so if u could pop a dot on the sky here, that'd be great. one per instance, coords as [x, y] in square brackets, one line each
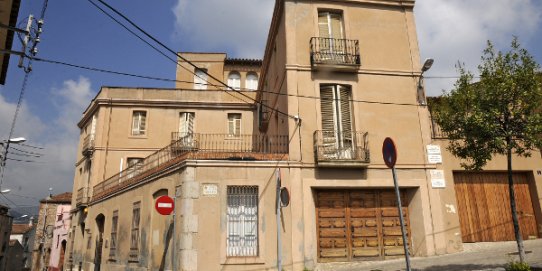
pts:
[77, 32]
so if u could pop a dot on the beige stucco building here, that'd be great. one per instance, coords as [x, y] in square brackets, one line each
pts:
[337, 78]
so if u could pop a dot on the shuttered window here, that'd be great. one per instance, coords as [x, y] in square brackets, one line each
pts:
[134, 238]
[336, 117]
[186, 123]
[242, 219]
[139, 122]
[200, 79]
[113, 243]
[234, 124]
[331, 29]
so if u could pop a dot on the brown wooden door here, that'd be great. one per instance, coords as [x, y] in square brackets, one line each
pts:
[359, 225]
[483, 203]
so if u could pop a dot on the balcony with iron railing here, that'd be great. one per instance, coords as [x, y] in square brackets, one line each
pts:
[195, 146]
[83, 196]
[88, 145]
[341, 149]
[341, 53]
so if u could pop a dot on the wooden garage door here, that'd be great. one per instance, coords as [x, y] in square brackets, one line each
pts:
[483, 201]
[358, 225]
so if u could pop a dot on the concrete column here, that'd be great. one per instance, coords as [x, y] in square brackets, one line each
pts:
[187, 221]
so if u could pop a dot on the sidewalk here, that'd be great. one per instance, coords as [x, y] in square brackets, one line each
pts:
[476, 256]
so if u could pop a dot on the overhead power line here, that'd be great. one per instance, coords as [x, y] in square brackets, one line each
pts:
[186, 60]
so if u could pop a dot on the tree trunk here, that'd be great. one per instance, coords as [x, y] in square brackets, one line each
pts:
[519, 240]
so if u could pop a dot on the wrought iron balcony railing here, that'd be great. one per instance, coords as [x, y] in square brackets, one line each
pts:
[336, 148]
[334, 51]
[83, 196]
[88, 145]
[196, 146]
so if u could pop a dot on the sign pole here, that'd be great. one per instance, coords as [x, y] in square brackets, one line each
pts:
[279, 241]
[173, 243]
[401, 220]
[389, 153]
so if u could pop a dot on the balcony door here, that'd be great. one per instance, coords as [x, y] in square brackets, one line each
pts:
[186, 129]
[336, 121]
[332, 43]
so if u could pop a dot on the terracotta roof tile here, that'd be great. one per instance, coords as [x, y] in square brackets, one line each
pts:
[60, 198]
[20, 228]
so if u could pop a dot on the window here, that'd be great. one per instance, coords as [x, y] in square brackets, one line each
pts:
[234, 124]
[186, 129]
[139, 119]
[242, 219]
[252, 81]
[114, 227]
[134, 240]
[330, 25]
[234, 80]
[336, 120]
[134, 165]
[93, 127]
[331, 32]
[200, 79]
[186, 123]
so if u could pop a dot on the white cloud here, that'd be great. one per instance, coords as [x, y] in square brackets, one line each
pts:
[239, 27]
[58, 137]
[458, 30]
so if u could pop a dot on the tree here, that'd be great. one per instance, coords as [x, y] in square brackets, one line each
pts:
[500, 114]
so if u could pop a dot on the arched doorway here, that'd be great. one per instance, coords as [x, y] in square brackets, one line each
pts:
[62, 253]
[100, 221]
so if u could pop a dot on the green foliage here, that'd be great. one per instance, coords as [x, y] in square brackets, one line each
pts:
[500, 113]
[517, 266]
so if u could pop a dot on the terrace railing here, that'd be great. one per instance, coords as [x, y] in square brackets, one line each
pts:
[196, 146]
[337, 148]
[334, 51]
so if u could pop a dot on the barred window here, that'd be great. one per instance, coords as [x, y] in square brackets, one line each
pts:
[114, 226]
[134, 240]
[242, 217]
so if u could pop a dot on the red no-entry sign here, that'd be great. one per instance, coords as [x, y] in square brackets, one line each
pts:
[164, 205]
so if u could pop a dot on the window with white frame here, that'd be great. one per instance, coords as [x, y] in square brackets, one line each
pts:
[252, 81]
[134, 236]
[113, 243]
[200, 79]
[139, 123]
[234, 124]
[331, 30]
[234, 80]
[242, 220]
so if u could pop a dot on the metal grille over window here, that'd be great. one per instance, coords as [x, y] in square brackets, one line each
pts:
[242, 217]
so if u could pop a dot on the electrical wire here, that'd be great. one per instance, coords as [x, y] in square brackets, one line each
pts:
[208, 84]
[189, 62]
[30, 146]
[29, 152]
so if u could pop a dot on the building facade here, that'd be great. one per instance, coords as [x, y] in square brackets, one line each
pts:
[43, 247]
[5, 231]
[60, 237]
[24, 233]
[337, 78]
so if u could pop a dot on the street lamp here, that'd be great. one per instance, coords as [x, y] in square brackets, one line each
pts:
[421, 94]
[4, 154]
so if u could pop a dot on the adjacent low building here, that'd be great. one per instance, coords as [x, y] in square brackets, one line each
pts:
[24, 234]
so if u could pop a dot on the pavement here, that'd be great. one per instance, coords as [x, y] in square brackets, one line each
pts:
[474, 257]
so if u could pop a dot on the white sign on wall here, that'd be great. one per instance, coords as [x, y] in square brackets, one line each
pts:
[434, 156]
[209, 189]
[437, 178]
